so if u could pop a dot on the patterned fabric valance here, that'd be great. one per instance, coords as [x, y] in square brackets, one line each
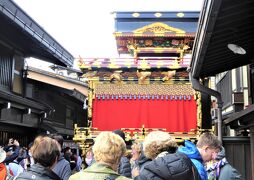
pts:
[151, 89]
[148, 97]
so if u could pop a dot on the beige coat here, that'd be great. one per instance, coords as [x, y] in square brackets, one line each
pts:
[97, 172]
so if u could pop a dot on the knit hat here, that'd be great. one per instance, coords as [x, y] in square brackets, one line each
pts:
[2, 155]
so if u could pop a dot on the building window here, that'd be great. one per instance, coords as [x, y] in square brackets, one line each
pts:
[69, 117]
[225, 88]
[6, 72]
[17, 86]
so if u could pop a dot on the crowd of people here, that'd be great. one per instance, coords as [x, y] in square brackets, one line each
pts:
[157, 157]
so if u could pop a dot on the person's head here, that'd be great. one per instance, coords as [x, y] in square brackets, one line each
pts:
[67, 151]
[58, 138]
[88, 156]
[208, 146]
[120, 133]
[136, 150]
[157, 142]
[22, 154]
[45, 151]
[109, 148]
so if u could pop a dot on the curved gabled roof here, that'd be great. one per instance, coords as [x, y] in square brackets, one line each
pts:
[19, 32]
[223, 22]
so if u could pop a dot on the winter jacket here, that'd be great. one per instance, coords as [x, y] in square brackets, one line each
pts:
[175, 166]
[63, 168]
[97, 171]
[124, 168]
[192, 152]
[38, 172]
[228, 172]
[142, 161]
[14, 155]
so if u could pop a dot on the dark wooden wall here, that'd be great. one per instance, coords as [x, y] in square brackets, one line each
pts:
[238, 154]
[60, 100]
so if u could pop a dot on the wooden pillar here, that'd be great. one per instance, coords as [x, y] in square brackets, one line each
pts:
[252, 150]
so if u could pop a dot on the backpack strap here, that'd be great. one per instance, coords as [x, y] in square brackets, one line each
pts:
[195, 173]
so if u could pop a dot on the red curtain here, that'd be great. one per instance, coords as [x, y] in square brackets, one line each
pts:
[174, 115]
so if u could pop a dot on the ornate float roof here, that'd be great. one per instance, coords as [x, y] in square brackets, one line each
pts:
[160, 44]
[158, 31]
[133, 21]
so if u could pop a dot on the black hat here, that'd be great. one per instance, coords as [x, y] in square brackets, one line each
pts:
[120, 133]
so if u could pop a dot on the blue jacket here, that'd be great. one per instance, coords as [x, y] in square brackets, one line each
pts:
[192, 152]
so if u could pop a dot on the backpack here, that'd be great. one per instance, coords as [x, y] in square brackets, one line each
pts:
[171, 166]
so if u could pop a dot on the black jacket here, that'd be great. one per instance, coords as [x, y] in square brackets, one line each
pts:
[38, 172]
[14, 155]
[124, 168]
[175, 166]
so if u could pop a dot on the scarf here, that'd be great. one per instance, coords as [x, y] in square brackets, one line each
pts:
[213, 169]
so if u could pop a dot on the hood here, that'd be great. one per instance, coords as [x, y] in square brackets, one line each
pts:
[39, 169]
[190, 150]
[221, 154]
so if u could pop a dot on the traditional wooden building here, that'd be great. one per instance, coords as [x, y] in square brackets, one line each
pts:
[223, 51]
[21, 37]
[65, 95]
[150, 88]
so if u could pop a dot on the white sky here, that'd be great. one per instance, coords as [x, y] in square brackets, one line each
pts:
[85, 27]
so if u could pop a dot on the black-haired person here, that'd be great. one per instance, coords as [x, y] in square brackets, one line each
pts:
[29, 158]
[16, 165]
[124, 168]
[45, 152]
[62, 168]
[12, 150]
